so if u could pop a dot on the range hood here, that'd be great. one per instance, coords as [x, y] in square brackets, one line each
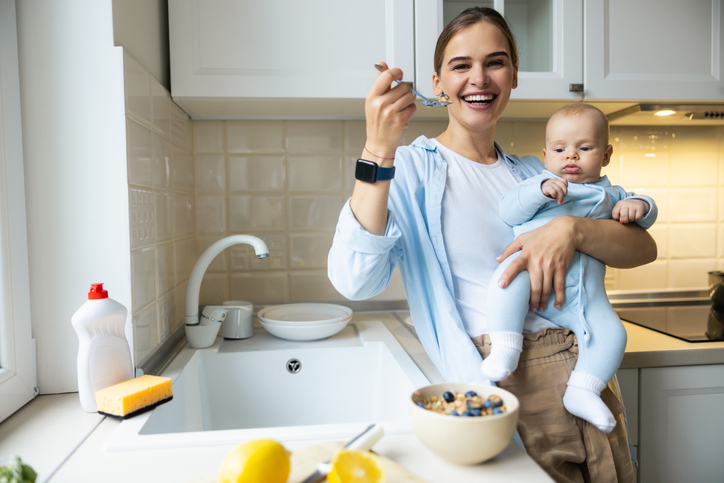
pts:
[669, 115]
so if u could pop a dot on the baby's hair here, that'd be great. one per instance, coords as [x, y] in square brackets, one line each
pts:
[579, 108]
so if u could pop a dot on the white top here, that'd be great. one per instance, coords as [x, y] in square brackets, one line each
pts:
[475, 234]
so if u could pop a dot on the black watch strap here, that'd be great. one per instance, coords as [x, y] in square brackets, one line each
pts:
[370, 172]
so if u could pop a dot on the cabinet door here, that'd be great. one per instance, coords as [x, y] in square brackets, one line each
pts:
[681, 432]
[654, 50]
[285, 48]
[548, 33]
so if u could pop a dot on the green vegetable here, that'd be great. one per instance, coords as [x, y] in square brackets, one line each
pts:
[17, 472]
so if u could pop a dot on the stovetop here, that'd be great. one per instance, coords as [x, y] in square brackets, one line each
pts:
[684, 318]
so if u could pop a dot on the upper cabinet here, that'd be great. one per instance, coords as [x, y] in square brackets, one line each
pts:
[249, 58]
[548, 34]
[285, 49]
[654, 50]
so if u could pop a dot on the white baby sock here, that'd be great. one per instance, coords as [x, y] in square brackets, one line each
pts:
[583, 399]
[505, 349]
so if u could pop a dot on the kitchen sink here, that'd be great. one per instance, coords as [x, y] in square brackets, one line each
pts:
[264, 387]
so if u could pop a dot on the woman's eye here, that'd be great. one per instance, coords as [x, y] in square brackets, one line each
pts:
[496, 63]
[461, 67]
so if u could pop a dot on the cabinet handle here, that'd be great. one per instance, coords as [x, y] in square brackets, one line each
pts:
[575, 87]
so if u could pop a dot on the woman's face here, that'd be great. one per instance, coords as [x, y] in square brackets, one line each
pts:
[478, 75]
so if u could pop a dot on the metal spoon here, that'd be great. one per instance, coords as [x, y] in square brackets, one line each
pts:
[425, 101]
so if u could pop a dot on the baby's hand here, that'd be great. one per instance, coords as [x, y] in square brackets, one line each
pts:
[630, 210]
[556, 188]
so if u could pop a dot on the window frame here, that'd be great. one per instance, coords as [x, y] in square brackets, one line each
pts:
[18, 377]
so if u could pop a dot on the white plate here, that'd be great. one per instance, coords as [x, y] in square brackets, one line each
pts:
[307, 314]
[277, 323]
[305, 332]
[408, 321]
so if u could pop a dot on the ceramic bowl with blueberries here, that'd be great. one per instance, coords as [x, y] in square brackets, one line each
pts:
[462, 423]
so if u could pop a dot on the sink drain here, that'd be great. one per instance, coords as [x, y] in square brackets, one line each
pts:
[294, 366]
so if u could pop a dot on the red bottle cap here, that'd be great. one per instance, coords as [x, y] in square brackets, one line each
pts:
[97, 292]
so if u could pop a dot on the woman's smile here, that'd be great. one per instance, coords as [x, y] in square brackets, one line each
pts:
[479, 100]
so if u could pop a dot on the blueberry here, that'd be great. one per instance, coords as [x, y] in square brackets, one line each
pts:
[420, 404]
[471, 394]
[497, 401]
[488, 404]
[454, 413]
[466, 413]
[476, 412]
[448, 396]
[497, 411]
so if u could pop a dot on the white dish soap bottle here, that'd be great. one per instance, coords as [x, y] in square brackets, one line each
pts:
[104, 356]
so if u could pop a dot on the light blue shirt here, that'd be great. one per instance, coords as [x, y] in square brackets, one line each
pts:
[360, 264]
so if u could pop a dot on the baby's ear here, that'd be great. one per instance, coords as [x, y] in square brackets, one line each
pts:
[607, 155]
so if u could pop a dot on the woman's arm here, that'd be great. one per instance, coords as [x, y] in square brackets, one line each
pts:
[547, 251]
[387, 112]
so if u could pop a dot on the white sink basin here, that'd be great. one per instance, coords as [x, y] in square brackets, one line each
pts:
[241, 390]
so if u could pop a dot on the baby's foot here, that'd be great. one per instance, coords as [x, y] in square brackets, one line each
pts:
[505, 348]
[583, 399]
[500, 363]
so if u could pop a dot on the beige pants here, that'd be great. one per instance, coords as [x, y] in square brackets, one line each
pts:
[568, 448]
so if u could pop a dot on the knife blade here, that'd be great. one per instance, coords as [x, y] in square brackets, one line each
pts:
[363, 441]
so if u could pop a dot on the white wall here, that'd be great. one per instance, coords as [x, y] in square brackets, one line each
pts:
[72, 99]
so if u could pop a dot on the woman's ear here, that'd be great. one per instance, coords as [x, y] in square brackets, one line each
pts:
[436, 84]
[607, 155]
[515, 77]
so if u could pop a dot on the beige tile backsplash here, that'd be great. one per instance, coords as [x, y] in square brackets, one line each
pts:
[162, 205]
[295, 175]
[194, 182]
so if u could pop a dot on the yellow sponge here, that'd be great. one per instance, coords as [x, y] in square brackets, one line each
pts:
[134, 396]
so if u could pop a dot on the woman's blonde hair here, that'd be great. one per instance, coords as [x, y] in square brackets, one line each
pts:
[467, 18]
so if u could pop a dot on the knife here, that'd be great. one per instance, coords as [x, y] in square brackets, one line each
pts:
[363, 441]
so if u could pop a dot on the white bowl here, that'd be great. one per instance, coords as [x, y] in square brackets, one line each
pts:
[464, 440]
[296, 315]
[305, 332]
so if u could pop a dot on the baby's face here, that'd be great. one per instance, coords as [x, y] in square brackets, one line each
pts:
[576, 147]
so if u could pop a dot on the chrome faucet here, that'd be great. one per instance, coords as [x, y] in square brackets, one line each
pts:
[201, 331]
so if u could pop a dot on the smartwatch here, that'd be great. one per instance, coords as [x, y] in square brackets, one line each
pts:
[369, 172]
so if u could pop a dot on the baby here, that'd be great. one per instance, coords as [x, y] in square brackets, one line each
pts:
[576, 148]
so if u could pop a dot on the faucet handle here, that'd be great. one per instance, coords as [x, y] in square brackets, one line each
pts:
[215, 313]
[203, 334]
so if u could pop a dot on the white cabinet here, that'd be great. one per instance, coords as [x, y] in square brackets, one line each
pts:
[548, 33]
[268, 53]
[654, 50]
[681, 429]
[251, 49]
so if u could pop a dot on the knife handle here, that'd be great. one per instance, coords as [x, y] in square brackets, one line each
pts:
[367, 439]
[363, 442]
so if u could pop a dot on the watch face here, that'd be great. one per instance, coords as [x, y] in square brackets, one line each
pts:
[366, 171]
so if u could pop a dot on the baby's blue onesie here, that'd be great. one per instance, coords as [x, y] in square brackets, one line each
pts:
[586, 310]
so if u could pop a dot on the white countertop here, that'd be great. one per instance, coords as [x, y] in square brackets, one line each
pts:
[53, 433]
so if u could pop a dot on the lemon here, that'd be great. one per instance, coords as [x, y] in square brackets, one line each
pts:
[356, 467]
[257, 461]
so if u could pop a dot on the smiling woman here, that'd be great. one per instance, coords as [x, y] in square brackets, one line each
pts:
[438, 219]
[17, 352]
